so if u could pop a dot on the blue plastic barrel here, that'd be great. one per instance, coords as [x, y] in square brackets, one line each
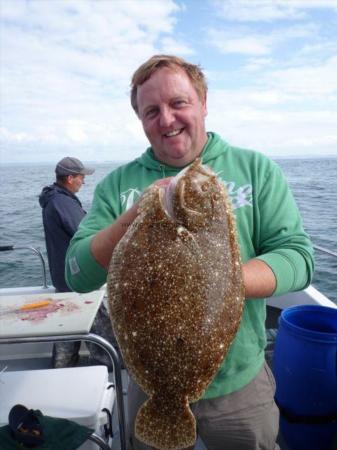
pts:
[305, 369]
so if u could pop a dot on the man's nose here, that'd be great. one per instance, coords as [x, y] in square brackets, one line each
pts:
[166, 117]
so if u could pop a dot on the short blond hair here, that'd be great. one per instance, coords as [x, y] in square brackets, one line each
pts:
[144, 72]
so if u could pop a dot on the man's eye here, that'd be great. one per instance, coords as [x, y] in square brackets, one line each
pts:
[179, 103]
[150, 113]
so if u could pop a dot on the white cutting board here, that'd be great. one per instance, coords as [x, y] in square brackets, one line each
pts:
[67, 313]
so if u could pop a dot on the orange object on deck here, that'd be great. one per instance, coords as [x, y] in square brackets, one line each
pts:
[39, 304]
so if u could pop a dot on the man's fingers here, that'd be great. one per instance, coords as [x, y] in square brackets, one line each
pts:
[163, 181]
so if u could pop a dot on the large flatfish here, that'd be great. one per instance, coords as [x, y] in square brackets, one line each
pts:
[176, 297]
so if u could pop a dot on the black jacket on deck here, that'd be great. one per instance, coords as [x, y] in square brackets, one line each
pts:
[61, 213]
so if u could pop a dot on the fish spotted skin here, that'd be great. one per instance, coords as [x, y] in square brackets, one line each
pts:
[176, 296]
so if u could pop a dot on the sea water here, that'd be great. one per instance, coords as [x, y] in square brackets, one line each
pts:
[313, 182]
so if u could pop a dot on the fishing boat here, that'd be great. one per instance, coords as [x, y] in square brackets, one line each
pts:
[20, 356]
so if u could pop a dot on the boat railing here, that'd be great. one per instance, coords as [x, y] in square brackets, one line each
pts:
[6, 248]
[325, 250]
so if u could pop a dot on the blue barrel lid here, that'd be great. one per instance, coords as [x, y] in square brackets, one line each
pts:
[313, 322]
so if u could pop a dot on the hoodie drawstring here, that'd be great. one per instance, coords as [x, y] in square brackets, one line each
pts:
[162, 168]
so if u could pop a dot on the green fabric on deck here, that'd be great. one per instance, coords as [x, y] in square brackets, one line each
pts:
[59, 434]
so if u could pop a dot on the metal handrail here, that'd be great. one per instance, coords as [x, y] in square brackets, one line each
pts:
[325, 250]
[6, 248]
[99, 441]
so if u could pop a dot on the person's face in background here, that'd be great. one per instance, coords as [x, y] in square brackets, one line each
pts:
[74, 182]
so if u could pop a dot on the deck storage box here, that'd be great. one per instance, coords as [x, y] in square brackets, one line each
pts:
[81, 394]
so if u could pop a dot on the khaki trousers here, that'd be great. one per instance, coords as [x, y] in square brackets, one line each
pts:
[247, 419]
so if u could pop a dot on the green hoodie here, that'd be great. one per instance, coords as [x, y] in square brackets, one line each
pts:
[268, 223]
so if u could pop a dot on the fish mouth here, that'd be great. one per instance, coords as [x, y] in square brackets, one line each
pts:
[166, 198]
[169, 192]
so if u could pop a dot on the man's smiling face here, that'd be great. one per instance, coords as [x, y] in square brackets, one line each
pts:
[173, 116]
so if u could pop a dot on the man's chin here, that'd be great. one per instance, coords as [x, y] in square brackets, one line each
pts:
[179, 159]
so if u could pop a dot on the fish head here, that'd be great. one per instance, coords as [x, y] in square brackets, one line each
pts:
[195, 197]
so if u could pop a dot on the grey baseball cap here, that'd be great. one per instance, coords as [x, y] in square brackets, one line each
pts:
[72, 166]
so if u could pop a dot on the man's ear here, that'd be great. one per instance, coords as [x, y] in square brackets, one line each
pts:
[70, 180]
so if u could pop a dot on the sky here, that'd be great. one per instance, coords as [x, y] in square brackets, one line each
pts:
[66, 66]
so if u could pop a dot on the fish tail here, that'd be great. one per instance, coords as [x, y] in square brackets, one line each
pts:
[166, 427]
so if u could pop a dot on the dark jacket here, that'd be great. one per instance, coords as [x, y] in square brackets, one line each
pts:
[61, 213]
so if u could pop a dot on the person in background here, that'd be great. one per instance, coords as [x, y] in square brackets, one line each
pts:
[61, 214]
[169, 96]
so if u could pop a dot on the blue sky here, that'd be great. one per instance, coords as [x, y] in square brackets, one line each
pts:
[66, 65]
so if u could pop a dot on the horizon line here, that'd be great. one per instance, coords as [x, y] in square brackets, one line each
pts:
[125, 161]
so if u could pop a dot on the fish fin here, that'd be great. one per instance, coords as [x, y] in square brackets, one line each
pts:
[165, 428]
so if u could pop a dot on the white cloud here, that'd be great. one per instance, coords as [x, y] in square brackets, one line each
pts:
[69, 19]
[253, 11]
[8, 136]
[77, 132]
[258, 119]
[66, 65]
[270, 10]
[258, 63]
[171, 46]
[249, 45]
[102, 39]
[290, 111]
[307, 82]
[249, 41]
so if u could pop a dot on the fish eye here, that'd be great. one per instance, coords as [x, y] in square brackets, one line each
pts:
[205, 186]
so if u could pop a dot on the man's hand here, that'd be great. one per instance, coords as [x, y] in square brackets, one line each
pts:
[163, 182]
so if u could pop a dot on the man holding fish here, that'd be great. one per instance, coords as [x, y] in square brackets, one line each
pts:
[169, 95]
